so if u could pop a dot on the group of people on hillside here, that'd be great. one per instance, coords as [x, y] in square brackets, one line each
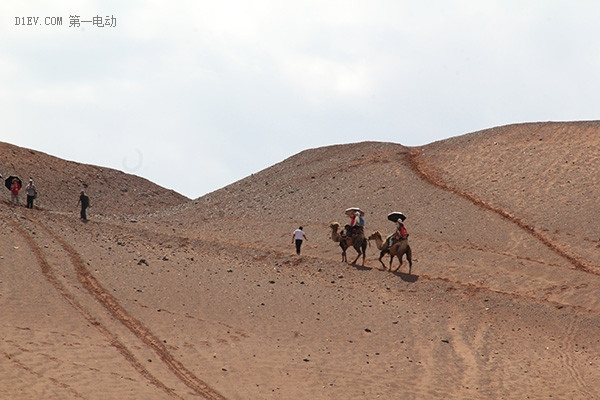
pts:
[14, 185]
[356, 226]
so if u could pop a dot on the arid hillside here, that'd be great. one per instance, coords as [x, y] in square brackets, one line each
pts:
[541, 176]
[59, 182]
[206, 298]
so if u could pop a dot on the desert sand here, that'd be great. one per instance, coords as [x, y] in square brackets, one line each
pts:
[158, 296]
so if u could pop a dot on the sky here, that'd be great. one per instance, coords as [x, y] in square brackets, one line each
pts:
[195, 95]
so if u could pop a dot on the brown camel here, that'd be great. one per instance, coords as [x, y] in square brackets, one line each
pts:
[398, 249]
[342, 240]
[358, 241]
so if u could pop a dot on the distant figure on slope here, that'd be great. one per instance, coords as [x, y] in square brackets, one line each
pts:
[84, 201]
[14, 191]
[297, 237]
[31, 192]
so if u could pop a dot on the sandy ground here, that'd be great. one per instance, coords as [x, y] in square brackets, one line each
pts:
[160, 297]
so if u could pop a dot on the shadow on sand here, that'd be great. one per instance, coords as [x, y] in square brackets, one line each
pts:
[406, 277]
[402, 275]
[360, 267]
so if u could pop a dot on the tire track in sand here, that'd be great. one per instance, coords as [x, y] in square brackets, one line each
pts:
[419, 167]
[64, 292]
[110, 303]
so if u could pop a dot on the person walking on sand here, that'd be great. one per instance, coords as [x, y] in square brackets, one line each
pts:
[297, 237]
[31, 192]
[14, 191]
[84, 201]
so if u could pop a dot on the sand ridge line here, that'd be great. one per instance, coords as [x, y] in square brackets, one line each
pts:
[62, 290]
[417, 165]
[135, 326]
[490, 250]
[471, 287]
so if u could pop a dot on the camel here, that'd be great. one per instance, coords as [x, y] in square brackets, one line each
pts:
[398, 249]
[342, 240]
[359, 242]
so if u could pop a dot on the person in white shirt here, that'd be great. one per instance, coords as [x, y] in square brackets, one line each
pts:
[297, 237]
[31, 192]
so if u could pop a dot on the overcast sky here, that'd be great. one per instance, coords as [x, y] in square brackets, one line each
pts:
[194, 95]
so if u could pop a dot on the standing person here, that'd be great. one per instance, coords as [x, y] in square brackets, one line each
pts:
[84, 201]
[31, 192]
[298, 236]
[14, 191]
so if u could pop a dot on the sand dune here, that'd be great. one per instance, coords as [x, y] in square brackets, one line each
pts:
[162, 297]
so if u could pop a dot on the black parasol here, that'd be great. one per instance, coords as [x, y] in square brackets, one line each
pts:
[395, 216]
[8, 181]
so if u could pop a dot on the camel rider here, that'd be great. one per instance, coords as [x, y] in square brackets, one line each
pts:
[356, 223]
[353, 218]
[400, 234]
[349, 229]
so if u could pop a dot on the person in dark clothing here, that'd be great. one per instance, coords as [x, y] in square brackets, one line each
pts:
[84, 201]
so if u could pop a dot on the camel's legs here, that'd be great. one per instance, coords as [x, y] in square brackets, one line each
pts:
[381, 254]
[363, 253]
[344, 248]
[399, 265]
